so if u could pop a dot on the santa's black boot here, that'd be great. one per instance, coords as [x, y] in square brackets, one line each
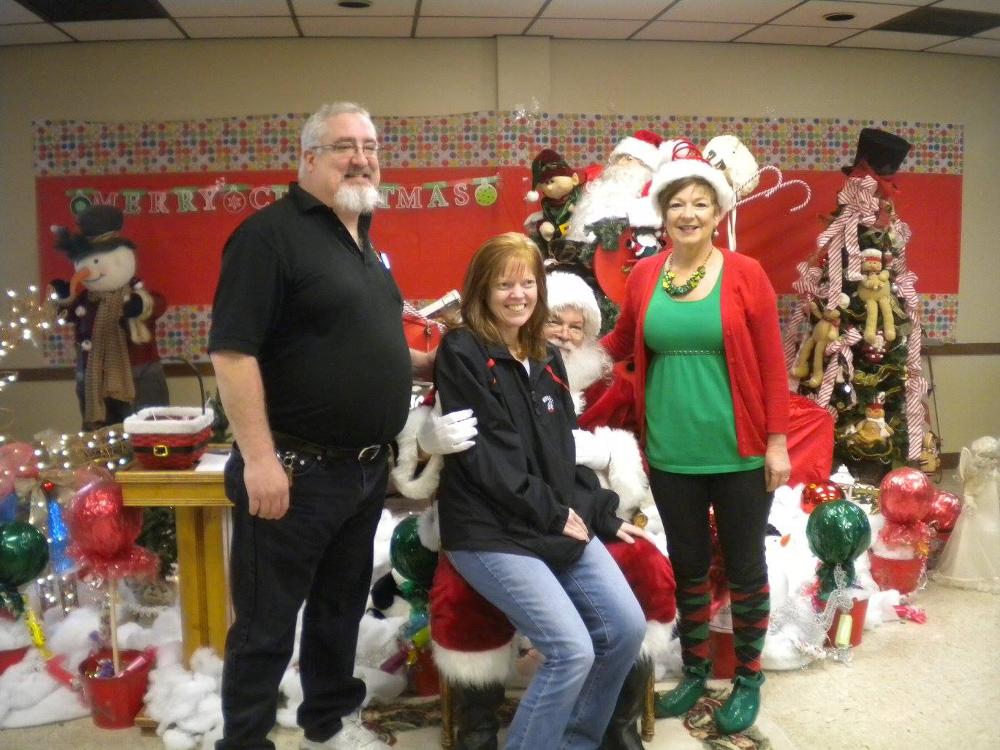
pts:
[623, 730]
[476, 716]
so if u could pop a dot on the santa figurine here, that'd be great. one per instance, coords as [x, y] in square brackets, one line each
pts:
[616, 200]
[118, 367]
[474, 643]
[557, 186]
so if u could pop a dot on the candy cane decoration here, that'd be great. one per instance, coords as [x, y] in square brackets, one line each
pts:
[835, 350]
[859, 205]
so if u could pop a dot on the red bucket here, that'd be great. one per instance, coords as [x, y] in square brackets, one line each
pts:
[423, 674]
[902, 575]
[11, 656]
[115, 701]
[858, 612]
[722, 652]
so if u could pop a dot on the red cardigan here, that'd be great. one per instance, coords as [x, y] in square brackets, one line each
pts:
[751, 337]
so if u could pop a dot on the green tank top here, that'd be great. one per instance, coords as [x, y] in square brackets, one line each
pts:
[690, 427]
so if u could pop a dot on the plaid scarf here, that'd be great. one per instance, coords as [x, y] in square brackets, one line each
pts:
[109, 371]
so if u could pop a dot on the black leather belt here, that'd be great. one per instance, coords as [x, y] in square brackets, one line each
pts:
[290, 443]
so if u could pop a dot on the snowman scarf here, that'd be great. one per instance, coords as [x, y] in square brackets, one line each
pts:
[109, 371]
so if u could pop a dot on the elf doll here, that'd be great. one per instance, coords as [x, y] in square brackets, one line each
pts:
[118, 367]
[557, 185]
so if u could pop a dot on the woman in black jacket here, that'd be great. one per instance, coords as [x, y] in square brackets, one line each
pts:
[519, 520]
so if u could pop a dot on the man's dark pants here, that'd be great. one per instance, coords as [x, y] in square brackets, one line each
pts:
[320, 552]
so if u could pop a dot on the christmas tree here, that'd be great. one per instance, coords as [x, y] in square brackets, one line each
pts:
[859, 355]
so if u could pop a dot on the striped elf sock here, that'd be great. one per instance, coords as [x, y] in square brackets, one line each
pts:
[694, 601]
[751, 612]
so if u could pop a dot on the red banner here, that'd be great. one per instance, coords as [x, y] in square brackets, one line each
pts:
[434, 219]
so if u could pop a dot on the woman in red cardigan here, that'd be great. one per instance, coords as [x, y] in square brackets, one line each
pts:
[712, 401]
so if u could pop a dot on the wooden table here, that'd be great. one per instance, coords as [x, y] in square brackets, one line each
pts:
[203, 519]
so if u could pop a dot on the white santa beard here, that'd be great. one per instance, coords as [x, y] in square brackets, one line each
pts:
[356, 199]
[611, 195]
[585, 365]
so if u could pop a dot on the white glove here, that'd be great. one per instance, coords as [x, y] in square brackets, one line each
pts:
[450, 433]
[591, 451]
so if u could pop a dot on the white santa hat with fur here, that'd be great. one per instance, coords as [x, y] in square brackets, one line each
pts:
[683, 159]
[643, 145]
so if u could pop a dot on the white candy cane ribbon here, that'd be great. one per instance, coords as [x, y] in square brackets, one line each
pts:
[781, 184]
[859, 205]
[902, 229]
[916, 384]
[838, 350]
[808, 287]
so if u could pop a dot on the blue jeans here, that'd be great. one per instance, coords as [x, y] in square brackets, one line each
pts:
[320, 552]
[584, 620]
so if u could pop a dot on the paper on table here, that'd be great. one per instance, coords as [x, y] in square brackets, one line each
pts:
[212, 462]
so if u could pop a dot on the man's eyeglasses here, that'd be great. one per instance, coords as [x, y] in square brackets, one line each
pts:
[347, 149]
[573, 329]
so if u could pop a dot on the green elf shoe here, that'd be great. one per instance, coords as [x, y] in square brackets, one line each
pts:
[682, 698]
[740, 710]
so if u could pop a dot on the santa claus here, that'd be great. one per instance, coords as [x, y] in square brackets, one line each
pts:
[615, 200]
[474, 644]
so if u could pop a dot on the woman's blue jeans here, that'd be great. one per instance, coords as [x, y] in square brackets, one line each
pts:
[584, 620]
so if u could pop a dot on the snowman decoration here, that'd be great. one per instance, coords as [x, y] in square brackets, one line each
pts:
[118, 367]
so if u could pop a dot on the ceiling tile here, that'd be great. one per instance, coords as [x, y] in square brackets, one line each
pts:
[482, 8]
[971, 46]
[439, 26]
[576, 28]
[693, 31]
[730, 11]
[893, 40]
[982, 6]
[217, 8]
[899, 2]
[341, 26]
[866, 15]
[991, 34]
[237, 28]
[106, 31]
[638, 9]
[378, 8]
[815, 36]
[30, 33]
[11, 12]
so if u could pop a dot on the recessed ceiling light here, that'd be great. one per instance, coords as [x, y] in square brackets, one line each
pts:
[354, 3]
[835, 17]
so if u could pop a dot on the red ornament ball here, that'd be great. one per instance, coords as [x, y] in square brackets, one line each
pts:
[944, 511]
[48, 486]
[818, 493]
[905, 495]
[100, 525]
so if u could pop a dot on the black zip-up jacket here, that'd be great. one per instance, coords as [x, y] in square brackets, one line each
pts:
[511, 492]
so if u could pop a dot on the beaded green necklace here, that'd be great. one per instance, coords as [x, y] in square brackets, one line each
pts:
[679, 291]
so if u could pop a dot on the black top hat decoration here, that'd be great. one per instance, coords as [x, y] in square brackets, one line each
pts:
[883, 152]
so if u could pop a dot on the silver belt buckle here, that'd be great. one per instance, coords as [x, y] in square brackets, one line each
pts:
[369, 453]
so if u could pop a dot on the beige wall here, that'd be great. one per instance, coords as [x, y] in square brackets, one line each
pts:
[173, 80]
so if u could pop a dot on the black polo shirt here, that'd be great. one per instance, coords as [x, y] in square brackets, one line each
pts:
[323, 318]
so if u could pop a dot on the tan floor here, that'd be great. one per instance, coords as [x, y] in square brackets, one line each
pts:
[934, 686]
[910, 687]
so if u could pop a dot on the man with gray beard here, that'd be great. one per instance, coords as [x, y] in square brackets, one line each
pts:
[314, 374]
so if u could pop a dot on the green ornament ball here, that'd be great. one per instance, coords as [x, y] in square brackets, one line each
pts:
[838, 532]
[409, 556]
[24, 553]
[486, 194]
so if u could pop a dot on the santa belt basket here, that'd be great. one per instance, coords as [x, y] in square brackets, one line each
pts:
[171, 437]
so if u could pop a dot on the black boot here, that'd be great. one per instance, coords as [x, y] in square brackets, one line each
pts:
[476, 717]
[623, 730]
